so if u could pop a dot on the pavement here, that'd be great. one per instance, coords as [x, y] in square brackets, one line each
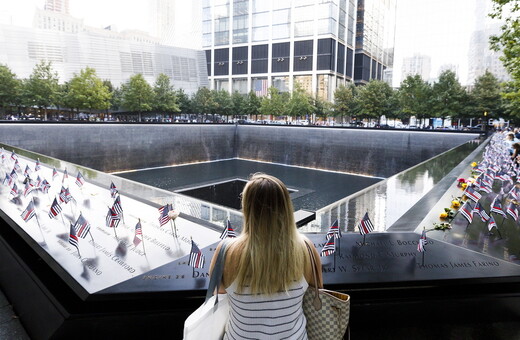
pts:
[10, 326]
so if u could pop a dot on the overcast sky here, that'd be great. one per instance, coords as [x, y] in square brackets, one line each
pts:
[439, 28]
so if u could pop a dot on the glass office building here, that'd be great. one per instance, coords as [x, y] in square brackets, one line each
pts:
[256, 44]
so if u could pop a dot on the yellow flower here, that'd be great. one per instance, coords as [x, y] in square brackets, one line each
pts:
[455, 204]
[474, 164]
[464, 185]
[443, 215]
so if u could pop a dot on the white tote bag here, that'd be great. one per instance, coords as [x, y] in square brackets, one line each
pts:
[208, 322]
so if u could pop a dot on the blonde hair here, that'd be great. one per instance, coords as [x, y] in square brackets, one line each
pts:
[272, 252]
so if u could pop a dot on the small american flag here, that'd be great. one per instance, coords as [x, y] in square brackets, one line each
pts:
[467, 211]
[29, 212]
[196, 257]
[14, 190]
[8, 180]
[81, 227]
[65, 195]
[365, 225]
[54, 173]
[163, 211]
[138, 234]
[27, 171]
[38, 165]
[228, 231]
[112, 218]
[479, 209]
[16, 166]
[38, 182]
[65, 175]
[45, 186]
[492, 223]
[496, 207]
[55, 209]
[118, 209]
[28, 188]
[511, 210]
[73, 239]
[472, 194]
[422, 242]
[329, 248]
[80, 180]
[334, 230]
[14, 156]
[113, 190]
[14, 175]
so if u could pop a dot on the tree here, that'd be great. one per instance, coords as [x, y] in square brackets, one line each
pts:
[253, 105]
[41, 89]
[375, 100]
[239, 103]
[223, 103]
[448, 96]
[344, 101]
[165, 98]
[486, 94]
[275, 104]
[203, 101]
[413, 98]
[87, 91]
[322, 107]
[184, 102]
[508, 41]
[137, 95]
[300, 104]
[10, 88]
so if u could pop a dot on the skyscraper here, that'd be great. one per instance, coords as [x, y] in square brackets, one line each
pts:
[251, 45]
[418, 64]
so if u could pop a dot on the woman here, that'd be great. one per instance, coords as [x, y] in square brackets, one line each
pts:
[267, 268]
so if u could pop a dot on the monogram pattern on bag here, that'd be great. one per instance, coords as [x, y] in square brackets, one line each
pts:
[331, 321]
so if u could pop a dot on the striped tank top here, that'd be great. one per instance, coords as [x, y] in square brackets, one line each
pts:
[256, 316]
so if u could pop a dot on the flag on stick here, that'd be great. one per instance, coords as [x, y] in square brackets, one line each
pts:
[14, 157]
[38, 165]
[29, 212]
[422, 242]
[511, 210]
[196, 257]
[113, 190]
[334, 230]
[118, 209]
[228, 231]
[80, 180]
[112, 218]
[27, 171]
[73, 239]
[65, 175]
[492, 223]
[54, 173]
[472, 194]
[8, 180]
[16, 166]
[329, 248]
[14, 175]
[479, 209]
[365, 225]
[467, 211]
[138, 234]
[496, 207]
[14, 190]
[81, 227]
[45, 186]
[163, 211]
[55, 209]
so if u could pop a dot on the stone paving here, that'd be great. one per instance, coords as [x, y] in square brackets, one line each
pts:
[10, 325]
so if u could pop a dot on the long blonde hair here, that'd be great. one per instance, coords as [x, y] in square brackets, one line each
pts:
[272, 252]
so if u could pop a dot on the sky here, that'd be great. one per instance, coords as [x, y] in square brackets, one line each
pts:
[439, 28]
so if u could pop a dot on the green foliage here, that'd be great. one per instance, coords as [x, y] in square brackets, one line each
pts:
[448, 96]
[10, 87]
[184, 102]
[300, 103]
[344, 101]
[41, 89]
[508, 41]
[239, 103]
[137, 95]
[165, 99]
[413, 97]
[223, 102]
[203, 101]
[486, 96]
[253, 104]
[275, 104]
[87, 91]
[375, 100]
[322, 108]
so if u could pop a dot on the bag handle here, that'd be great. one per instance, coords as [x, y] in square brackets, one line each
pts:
[217, 273]
[316, 301]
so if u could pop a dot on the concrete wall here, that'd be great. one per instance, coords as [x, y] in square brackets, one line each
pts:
[117, 147]
[371, 152]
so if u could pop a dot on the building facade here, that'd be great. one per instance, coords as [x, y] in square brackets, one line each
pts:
[251, 45]
[418, 64]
